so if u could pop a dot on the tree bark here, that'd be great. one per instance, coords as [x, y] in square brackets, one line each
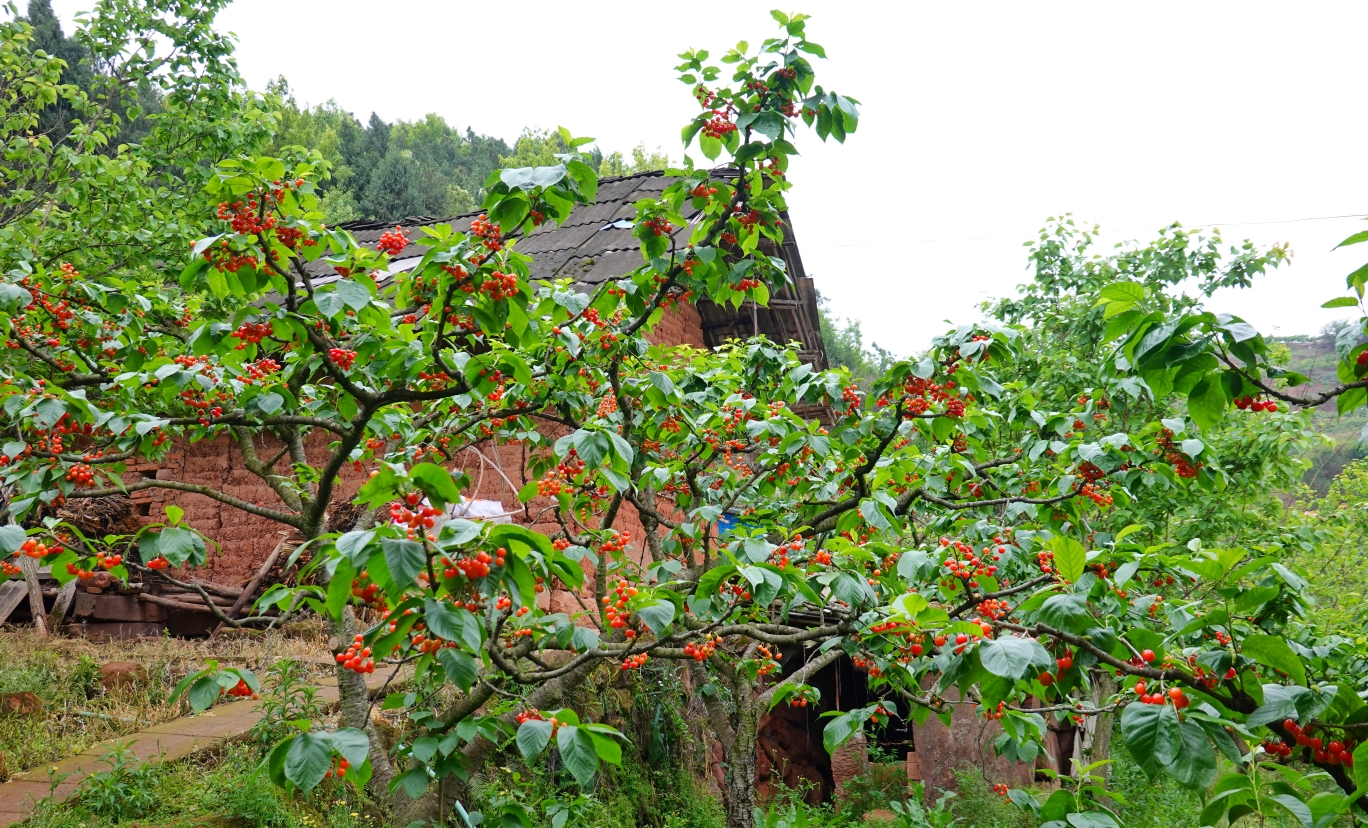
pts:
[35, 594]
[741, 761]
[1097, 736]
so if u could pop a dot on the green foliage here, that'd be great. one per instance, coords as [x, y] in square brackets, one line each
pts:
[219, 789]
[389, 171]
[122, 791]
[289, 699]
[1338, 526]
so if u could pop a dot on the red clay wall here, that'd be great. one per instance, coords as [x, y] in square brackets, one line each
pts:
[247, 540]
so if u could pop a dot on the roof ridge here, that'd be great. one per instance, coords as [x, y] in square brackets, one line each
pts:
[423, 221]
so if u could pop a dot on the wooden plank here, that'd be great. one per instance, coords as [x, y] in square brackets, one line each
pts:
[57, 617]
[12, 594]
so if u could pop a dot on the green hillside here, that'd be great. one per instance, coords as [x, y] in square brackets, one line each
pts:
[1315, 357]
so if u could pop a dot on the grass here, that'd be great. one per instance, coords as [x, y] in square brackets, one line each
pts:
[218, 789]
[78, 713]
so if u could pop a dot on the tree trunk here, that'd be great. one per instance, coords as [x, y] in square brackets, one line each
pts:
[1097, 735]
[35, 594]
[741, 762]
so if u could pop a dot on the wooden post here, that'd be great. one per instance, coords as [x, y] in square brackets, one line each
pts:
[60, 607]
[35, 593]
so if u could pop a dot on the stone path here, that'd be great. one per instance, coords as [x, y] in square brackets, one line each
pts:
[163, 743]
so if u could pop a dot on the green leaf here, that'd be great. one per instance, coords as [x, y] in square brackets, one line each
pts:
[405, 559]
[11, 538]
[1194, 765]
[340, 587]
[579, 753]
[1272, 651]
[1065, 612]
[1152, 735]
[461, 670]
[307, 759]
[1124, 292]
[330, 303]
[533, 737]
[1069, 557]
[355, 296]
[608, 749]
[1361, 766]
[1341, 302]
[1013, 657]
[1091, 819]
[1360, 236]
[180, 545]
[657, 616]
[437, 483]
[452, 623]
[352, 744]
[1207, 402]
[204, 691]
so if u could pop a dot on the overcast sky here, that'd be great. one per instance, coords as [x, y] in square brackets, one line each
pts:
[985, 118]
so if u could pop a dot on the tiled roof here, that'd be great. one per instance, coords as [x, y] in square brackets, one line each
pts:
[597, 244]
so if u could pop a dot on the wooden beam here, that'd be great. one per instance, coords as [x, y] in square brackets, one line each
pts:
[167, 602]
[61, 605]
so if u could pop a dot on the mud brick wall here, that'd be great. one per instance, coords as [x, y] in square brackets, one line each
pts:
[246, 540]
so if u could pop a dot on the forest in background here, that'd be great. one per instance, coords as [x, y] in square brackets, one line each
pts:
[380, 170]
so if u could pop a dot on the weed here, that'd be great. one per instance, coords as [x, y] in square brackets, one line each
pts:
[290, 698]
[123, 791]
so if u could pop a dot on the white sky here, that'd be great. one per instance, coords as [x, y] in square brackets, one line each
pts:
[992, 116]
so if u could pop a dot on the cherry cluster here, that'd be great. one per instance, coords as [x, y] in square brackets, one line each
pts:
[1174, 695]
[1182, 466]
[474, 567]
[250, 333]
[425, 516]
[972, 566]
[158, 562]
[634, 662]
[487, 233]
[392, 242]
[615, 611]
[769, 660]
[343, 358]
[239, 690]
[701, 651]
[616, 544]
[357, 657]
[1252, 404]
[1330, 753]
[500, 286]
[339, 769]
[34, 548]
[107, 560]
[367, 591]
[260, 369]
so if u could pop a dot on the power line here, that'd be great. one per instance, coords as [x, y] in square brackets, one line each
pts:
[1123, 230]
